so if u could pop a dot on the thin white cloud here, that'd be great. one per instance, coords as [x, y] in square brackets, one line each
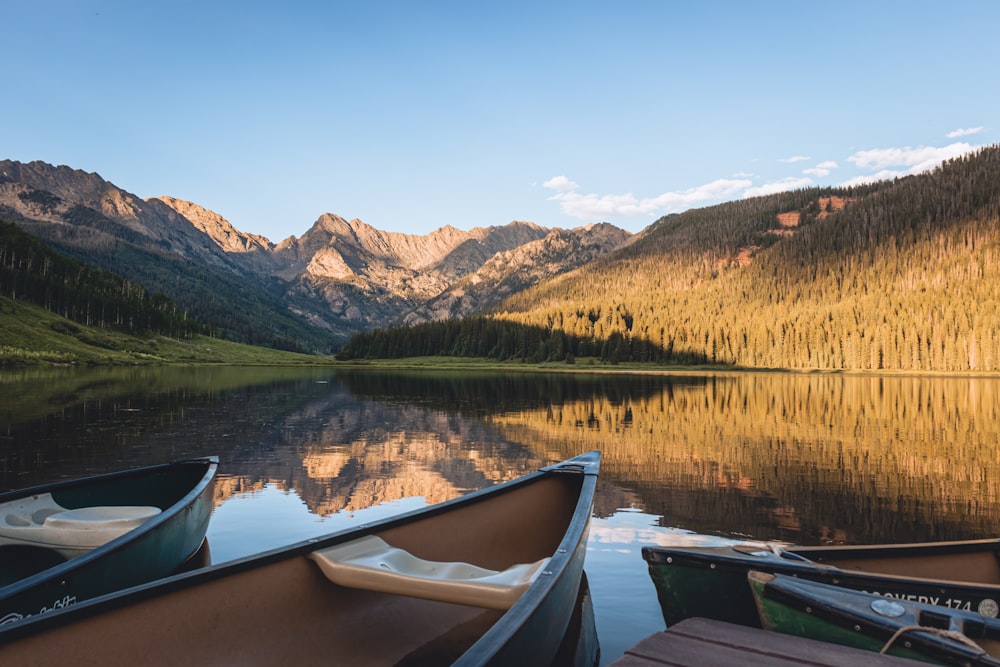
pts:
[884, 175]
[882, 163]
[593, 206]
[822, 169]
[794, 159]
[898, 162]
[782, 185]
[912, 160]
[560, 184]
[964, 132]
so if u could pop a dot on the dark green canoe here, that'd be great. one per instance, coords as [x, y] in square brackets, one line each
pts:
[875, 623]
[710, 581]
[73, 540]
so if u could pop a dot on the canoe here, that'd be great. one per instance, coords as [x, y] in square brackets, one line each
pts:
[710, 581]
[876, 623]
[491, 577]
[74, 540]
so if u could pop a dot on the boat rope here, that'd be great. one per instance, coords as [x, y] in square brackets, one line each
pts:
[780, 551]
[948, 634]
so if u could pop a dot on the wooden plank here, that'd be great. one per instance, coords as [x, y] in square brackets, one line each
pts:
[678, 650]
[708, 643]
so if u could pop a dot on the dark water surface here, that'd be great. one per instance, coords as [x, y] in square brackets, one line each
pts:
[807, 459]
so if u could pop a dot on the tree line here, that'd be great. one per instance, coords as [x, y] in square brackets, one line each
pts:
[30, 271]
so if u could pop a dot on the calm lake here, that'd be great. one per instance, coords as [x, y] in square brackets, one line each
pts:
[807, 459]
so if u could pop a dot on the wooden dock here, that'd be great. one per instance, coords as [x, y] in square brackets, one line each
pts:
[706, 643]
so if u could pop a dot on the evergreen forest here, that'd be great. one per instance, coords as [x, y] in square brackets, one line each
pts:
[30, 271]
[899, 275]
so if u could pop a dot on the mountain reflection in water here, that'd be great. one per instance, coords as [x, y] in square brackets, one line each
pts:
[687, 458]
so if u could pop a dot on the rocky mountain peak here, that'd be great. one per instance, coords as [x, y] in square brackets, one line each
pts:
[64, 182]
[218, 228]
[511, 270]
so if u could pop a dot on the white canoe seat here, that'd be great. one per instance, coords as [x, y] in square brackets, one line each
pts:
[42, 522]
[372, 564]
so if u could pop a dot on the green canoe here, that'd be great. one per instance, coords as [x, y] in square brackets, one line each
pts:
[73, 540]
[876, 623]
[710, 581]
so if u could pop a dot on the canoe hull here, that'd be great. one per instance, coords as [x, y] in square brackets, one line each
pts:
[580, 646]
[710, 582]
[529, 639]
[842, 616]
[279, 607]
[184, 492]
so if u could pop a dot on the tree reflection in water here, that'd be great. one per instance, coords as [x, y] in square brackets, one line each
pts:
[686, 458]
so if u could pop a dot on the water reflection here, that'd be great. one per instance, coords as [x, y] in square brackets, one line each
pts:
[800, 458]
[805, 459]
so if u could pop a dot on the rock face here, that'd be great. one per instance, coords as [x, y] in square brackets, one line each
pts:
[82, 210]
[370, 277]
[223, 234]
[513, 270]
[340, 276]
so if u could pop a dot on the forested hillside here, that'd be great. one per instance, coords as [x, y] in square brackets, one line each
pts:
[901, 275]
[30, 271]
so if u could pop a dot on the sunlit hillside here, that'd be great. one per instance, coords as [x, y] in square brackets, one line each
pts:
[905, 276]
[901, 275]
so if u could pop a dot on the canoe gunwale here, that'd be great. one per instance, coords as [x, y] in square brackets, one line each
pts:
[103, 477]
[816, 555]
[818, 570]
[211, 464]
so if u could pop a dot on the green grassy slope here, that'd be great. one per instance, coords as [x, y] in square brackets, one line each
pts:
[30, 335]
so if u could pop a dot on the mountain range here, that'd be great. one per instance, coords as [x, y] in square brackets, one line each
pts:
[900, 275]
[309, 293]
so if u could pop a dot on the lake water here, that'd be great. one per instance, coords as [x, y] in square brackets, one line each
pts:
[687, 458]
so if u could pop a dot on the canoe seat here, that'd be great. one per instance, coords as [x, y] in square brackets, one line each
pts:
[371, 563]
[42, 522]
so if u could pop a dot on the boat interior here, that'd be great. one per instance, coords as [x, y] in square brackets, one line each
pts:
[38, 520]
[77, 517]
[979, 564]
[282, 608]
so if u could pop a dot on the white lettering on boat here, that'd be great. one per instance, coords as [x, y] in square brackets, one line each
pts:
[986, 608]
[922, 599]
[58, 604]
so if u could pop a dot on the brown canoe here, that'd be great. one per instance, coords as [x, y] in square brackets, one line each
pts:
[492, 577]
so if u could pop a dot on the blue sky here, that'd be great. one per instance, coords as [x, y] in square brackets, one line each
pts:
[415, 115]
